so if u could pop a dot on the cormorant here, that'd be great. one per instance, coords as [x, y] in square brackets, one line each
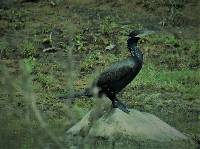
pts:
[120, 74]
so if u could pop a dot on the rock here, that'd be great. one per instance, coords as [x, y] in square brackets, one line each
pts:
[136, 128]
[141, 126]
[110, 47]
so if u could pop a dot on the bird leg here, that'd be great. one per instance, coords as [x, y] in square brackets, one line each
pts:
[116, 103]
[122, 106]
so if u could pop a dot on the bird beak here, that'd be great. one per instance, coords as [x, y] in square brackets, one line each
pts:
[145, 33]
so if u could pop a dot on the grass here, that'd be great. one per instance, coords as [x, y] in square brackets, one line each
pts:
[97, 59]
[170, 52]
[167, 86]
[28, 49]
[183, 81]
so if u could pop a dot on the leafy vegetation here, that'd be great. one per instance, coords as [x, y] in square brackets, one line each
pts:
[28, 49]
[168, 85]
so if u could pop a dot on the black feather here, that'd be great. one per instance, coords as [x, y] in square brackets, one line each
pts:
[118, 75]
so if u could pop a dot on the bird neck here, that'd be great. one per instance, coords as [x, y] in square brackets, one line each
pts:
[135, 51]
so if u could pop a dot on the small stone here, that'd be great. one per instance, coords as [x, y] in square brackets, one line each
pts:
[110, 47]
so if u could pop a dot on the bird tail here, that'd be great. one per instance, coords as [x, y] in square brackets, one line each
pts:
[77, 94]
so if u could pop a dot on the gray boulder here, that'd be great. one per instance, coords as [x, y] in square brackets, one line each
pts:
[106, 127]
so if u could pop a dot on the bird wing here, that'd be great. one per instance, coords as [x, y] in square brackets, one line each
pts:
[116, 72]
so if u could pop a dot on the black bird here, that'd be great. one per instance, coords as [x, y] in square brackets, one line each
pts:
[120, 74]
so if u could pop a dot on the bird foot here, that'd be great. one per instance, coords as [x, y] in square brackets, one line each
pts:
[121, 106]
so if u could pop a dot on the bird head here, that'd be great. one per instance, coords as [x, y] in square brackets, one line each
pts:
[139, 33]
[136, 35]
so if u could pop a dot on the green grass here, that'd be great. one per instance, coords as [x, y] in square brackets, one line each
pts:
[184, 81]
[28, 49]
[166, 38]
[167, 51]
[167, 85]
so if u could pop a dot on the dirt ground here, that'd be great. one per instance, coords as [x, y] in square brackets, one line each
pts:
[51, 47]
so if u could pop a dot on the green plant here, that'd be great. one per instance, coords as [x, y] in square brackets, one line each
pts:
[4, 48]
[47, 81]
[96, 59]
[28, 49]
[169, 39]
[31, 62]
[90, 62]
[174, 81]
[79, 43]
[4, 44]
[108, 26]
